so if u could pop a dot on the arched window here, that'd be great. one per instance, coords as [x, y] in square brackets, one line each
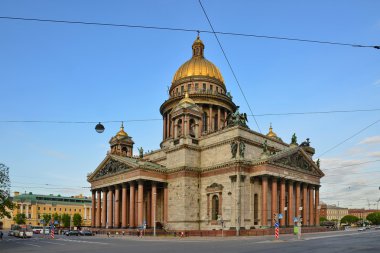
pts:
[179, 127]
[215, 207]
[192, 127]
[205, 121]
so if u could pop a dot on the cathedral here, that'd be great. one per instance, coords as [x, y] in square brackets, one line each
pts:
[211, 170]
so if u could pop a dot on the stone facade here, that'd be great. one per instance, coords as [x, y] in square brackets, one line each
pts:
[211, 167]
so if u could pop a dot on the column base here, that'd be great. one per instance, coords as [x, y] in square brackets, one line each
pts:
[124, 227]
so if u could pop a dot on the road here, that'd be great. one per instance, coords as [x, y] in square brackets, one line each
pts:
[342, 241]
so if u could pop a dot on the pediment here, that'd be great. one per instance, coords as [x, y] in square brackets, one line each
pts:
[297, 159]
[109, 166]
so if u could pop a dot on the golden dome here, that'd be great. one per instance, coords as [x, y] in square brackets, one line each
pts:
[198, 65]
[121, 131]
[271, 133]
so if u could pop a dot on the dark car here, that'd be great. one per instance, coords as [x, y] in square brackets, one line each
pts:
[86, 233]
[72, 232]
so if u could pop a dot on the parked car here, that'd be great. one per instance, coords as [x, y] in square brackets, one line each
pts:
[11, 233]
[72, 232]
[361, 229]
[377, 227]
[85, 233]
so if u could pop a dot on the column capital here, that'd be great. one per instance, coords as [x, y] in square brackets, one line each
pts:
[132, 183]
[154, 183]
[111, 188]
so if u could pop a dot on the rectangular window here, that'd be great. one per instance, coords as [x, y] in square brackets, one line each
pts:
[44, 208]
[176, 90]
[182, 89]
[65, 210]
[59, 209]
[189, 87]
[196, 86]
[75, 210]
[49, 208]
[211, 88]
[55, 209]
[204, 86]
[38, 208]
[217, 90]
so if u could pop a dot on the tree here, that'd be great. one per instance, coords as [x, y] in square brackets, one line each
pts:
[20, 218]
[57, 217]
[6, 204]
[322, 219]
[349, 219]
[374, 218]
[47, 218]
[77, 219]
[65, 219]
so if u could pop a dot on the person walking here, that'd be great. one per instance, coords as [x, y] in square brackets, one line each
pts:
[1, 235]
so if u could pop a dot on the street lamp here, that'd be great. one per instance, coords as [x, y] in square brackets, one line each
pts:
[99, 128]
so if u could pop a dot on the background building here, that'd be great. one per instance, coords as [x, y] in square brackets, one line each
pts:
[361, 213]
[34, 206]
[333, 212]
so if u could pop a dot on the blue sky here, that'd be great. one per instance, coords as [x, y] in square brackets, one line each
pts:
[82, 73]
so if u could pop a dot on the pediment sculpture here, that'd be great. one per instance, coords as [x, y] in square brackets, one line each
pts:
[296, 160]
[111, 167]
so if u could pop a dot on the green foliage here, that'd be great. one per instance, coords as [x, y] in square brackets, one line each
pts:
[374, 218]
[47, 218]
[57, 217]
[322, 219]
[6, 205]
[349, 219]
[65, 220]
[77, 219]
[20, 218]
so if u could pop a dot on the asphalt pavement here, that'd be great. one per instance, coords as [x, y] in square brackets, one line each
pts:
[341, 241]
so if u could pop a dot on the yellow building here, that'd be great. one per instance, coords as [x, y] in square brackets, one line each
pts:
[35, 206]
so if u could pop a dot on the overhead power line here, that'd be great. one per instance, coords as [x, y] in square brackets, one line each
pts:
[349, 138]
[157, 119]
[229, 64]
[72, 22]
[351, 165]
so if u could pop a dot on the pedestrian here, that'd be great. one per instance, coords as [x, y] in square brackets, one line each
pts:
[1, 235]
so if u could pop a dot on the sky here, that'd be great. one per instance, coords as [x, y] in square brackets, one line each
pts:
[86, 73]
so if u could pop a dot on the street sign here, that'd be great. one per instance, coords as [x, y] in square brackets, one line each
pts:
[280, 216]
[295, 219]
[276, 225]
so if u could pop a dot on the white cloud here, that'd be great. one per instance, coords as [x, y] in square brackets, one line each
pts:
[371, 140]
[374, 154]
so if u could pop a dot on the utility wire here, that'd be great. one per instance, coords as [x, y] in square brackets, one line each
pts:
[351, 165]
[316, 112]
[152, 119]
[349, 138]
[188, 30]
[229, 64]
